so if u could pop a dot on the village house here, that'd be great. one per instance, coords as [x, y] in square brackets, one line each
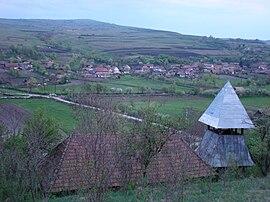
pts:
[87, 70]
[267, 71]
[147, 67]
[158, 69]
[26, 65]
[207, 68]
[101, 72]
[181, 73]
[113, 70]
[172, 72]
[10, 65]
[125, 69]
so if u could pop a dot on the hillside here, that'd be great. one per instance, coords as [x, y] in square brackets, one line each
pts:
[72, 36]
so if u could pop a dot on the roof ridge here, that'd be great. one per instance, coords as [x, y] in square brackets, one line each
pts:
[194, 151]
[55, 174]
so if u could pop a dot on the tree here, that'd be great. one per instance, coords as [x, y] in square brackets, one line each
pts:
[40, 136]
[96, 128]
[31, 83]
[100, 88]
[260, 144]
[23, 157]
[192, 129]
[151, 135]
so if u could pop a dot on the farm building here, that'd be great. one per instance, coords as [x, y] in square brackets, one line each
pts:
[84, 160]
[223, 144]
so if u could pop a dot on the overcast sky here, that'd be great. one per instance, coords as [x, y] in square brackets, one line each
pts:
[219, 18]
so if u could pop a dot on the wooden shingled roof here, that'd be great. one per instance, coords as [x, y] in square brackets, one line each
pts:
[225, 150]
[226, 111]
[82, 160]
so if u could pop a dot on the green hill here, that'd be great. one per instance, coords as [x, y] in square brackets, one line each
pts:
[69, 36]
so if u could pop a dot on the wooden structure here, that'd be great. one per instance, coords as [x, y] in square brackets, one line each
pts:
[82, 161]
[223, 144]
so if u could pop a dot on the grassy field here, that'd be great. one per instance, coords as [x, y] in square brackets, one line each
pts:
[256, 102]
[63, 114]
[250, 189]
[59, 89]
[60, 112]
[174, 107]
[137, 81]
[89, 35]
[109, 38]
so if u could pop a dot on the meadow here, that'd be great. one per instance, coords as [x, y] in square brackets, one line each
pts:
[175, 107]
[61, 113]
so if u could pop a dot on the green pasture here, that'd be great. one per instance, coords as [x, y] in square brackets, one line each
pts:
[174, 107]
[256, 102]
[136, 81]
[58, 89]
[60, 112]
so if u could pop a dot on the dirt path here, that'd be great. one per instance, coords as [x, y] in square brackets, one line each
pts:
[59, 99]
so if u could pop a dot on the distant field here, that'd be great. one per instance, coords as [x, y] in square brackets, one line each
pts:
[88, 35]
[137, 81]
[59, 89]
[256, 102]
[175, 107]
[62, 113]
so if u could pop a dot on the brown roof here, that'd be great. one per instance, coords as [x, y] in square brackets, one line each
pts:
[11, 65]
[101, 69]
[74, 164]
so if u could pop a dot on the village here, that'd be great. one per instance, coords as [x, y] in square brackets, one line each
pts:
[54, 72]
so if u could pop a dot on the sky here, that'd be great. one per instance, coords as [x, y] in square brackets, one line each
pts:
[247, 19]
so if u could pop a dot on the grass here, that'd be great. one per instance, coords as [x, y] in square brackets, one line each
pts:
[58, 89]
[249, 189]
[60, 112]
[174, 107]
[256, 102]
[112, 39]
[136, 81]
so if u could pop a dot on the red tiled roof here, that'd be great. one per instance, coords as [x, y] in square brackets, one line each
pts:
[74, 162]
[101, 69]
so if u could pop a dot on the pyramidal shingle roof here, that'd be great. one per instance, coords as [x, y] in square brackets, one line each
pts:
[226, 111]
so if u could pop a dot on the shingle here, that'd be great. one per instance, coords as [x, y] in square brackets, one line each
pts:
[224, 150]
[226, 111]
[175, 156]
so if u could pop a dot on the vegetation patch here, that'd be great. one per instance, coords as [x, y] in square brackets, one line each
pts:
[60, 112]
